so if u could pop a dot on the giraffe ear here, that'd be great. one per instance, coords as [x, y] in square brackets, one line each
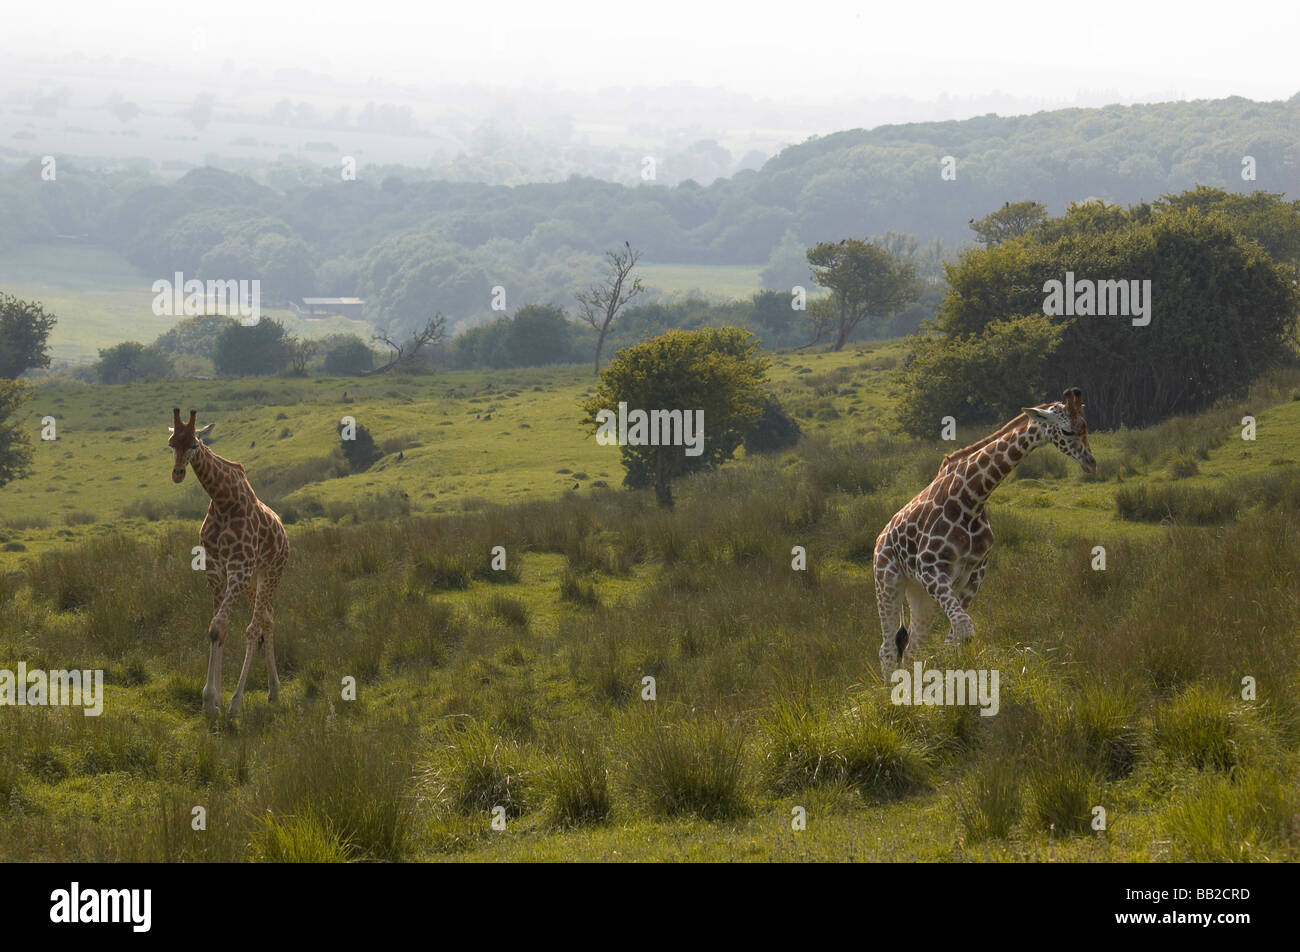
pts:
[204, 433]
[171, 429]
[1042, 416]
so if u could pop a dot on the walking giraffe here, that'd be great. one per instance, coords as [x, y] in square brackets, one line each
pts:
[935, 549]
[245, 548]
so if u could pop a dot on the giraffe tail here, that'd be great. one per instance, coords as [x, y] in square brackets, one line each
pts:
[900, 640]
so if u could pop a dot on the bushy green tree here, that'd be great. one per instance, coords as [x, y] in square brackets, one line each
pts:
[774, 430]
[538, 334]
[348, 357]
[717, 370]
[24, 335]
[15, 449]
[864, 280]
[360, 451]
[131, 361]
[194, 336]
[1221, 312]
[1010, 221]
[982, 378]
[257, 350]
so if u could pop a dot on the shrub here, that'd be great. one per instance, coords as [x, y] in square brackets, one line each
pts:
[1201, 507]
[808, 747]
[1198, 727]
[687, 767]
[988, 804]
[579, 785]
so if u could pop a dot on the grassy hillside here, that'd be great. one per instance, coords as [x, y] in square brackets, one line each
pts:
[522, 688]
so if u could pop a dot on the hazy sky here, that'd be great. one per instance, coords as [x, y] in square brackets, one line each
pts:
[787, 50]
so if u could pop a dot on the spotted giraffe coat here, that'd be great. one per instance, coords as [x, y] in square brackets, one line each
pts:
[934, 551]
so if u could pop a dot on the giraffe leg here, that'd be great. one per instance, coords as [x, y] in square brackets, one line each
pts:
[235, 582]
[940, 587]
[272, 678]
[967, 597]
[921, 609]
[250, 640]
[266, 618]
[216, 583]
[889, 603]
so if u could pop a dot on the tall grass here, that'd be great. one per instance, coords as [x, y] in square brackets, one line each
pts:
[690, 766]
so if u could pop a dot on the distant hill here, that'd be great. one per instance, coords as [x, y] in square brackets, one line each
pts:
[410, 246]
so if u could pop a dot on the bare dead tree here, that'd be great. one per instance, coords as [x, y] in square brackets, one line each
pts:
[601, 303]
[405, 353]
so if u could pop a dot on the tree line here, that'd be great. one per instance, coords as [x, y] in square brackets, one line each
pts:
[400, 243]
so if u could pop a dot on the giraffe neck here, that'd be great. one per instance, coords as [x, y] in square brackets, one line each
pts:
[981, 469]
[223, 480]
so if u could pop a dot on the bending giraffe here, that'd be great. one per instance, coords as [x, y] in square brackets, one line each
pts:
[245, 550]
[935, 549]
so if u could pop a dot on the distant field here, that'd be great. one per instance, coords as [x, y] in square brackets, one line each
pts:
[728, 282]
[101, 299]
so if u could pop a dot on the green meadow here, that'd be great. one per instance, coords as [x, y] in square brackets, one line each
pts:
[101, 299]
[504, 714]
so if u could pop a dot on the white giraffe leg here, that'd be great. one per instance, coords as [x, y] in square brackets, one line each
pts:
[967, 597]
[252, 635]
[889, 604]
[235, 582]
[938, 584]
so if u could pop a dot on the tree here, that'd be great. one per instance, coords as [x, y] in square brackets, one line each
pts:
[787, 265]
[773, 310]
[716, 371]
[260, 349]
[404, 354]
[301, 352]
[1172, 310]
[349, 358]
[15, 451]
[360, 451]
[131, 361]
[1012, 220]
[774, 430]
[1265, 217]
[24, 335]
[863, 279]
[194, 336]
[284, 266]
[537, 335]
[600, 304]
[986, 378]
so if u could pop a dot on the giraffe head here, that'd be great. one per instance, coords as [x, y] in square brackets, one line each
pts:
[1065, 427]
[184, 442]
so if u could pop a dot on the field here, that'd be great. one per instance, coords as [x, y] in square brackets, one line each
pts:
[100, 300]
[524, 689]
[726, 282]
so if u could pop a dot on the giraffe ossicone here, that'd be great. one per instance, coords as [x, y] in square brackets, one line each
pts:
[933, 553]
[245, 548]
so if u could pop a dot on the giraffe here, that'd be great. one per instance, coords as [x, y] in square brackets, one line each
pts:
[934, 551]
[245, 549]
